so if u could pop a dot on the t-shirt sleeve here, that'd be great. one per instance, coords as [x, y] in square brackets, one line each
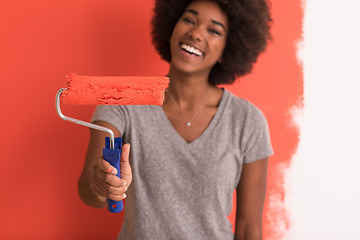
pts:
[256, 138]
[113, 114]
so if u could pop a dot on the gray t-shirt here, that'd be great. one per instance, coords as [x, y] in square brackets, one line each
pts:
[184, 190]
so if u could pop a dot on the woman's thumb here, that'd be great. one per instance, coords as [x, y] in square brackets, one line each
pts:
[125, 168]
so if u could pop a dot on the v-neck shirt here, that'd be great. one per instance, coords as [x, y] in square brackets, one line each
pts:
[184, 190]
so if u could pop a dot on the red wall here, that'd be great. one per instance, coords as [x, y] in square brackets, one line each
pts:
[42, 155]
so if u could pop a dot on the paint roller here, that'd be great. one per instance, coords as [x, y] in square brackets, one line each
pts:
[100, 90]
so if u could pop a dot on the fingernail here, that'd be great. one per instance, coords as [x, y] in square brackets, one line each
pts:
[112, 171]
[124, 183]
[124, 195]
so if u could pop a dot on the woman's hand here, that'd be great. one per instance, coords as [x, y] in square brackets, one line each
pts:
[105, 184]
[98, 180]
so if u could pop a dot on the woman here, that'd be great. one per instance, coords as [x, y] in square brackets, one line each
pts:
[190, 154]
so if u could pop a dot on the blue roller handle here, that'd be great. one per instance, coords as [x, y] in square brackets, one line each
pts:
[112, 156]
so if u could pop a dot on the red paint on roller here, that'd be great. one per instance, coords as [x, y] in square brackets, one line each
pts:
[115, 90]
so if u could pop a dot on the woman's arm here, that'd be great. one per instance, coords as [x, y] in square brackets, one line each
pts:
[98, 180]
[250, 200]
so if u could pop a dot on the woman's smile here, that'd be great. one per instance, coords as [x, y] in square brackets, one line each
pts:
[191, 50]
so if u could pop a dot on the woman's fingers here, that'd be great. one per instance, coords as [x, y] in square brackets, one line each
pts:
[110, 183]
[109, 176]
[105, 184]
[105, 167]
[116, 194]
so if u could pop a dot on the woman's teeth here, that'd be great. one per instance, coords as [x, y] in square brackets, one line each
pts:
[190, 49]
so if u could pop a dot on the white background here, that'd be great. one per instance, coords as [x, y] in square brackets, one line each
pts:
[323, 181]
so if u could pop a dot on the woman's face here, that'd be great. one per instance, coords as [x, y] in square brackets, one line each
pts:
[199, 37]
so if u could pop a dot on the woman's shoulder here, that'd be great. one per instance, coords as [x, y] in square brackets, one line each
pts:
[239, 105]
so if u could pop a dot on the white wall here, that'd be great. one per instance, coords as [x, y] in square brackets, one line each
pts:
[323, 182]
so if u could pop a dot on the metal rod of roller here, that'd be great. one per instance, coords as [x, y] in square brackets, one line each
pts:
[80, 122]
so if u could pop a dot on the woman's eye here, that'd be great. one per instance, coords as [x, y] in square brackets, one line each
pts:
[188, 20]
[213, 31]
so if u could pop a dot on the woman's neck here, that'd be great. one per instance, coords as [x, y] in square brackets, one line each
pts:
[188, 89]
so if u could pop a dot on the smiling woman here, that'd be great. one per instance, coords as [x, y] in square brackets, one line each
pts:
[190, 154]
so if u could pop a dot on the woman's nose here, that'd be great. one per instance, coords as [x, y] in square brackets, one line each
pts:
[196, 33]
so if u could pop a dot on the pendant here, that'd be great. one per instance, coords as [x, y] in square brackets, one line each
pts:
[188, 124]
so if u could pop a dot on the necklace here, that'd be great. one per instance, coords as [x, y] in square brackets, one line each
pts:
[188, 122]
